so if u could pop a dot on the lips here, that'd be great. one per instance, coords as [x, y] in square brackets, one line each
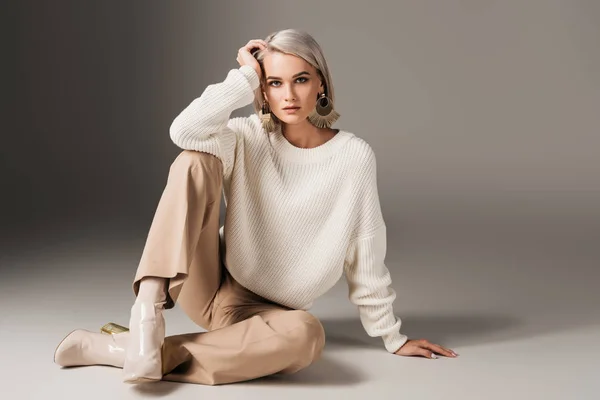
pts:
[291, 108]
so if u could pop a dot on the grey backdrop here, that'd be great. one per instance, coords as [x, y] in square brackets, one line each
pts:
[484, 117]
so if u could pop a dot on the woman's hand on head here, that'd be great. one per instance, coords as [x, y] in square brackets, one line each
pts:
[422, 347]
[245, 57]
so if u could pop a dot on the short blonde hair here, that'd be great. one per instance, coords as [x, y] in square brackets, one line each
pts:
[300, 44]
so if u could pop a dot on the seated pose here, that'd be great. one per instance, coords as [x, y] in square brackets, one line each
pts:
[302, 209]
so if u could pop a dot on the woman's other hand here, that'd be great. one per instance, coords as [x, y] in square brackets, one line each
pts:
[422, 347]
[245, 57]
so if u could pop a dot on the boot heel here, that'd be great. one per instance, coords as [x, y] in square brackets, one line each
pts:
[112, 328]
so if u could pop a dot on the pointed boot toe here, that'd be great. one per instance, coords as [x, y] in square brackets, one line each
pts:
[82, 347]
[69, 351]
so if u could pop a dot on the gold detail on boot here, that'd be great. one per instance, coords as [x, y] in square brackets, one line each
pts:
[112, 328]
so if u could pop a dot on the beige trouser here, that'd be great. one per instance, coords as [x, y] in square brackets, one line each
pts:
[248, 336]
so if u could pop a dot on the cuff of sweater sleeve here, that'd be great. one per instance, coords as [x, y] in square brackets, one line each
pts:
[394, 341]
[251, 76]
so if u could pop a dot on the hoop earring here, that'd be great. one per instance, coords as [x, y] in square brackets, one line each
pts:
[323, 115]
[266, 119]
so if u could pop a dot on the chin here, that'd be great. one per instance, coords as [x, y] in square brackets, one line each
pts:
[292, 119]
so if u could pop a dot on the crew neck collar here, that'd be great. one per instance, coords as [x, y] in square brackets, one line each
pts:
[288, 151]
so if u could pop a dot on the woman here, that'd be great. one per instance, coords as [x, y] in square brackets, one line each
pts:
[302, 209]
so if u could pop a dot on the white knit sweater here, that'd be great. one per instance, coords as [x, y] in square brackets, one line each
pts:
[297, 218]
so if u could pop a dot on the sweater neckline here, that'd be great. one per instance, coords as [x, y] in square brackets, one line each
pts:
[289, 152]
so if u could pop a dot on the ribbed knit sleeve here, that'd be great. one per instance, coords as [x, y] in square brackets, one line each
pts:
[369, 288]
[204, 124]
[369, 280]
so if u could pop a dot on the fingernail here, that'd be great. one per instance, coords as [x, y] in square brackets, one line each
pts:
[433, 356]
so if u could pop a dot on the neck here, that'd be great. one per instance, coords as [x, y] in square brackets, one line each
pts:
[305, 135]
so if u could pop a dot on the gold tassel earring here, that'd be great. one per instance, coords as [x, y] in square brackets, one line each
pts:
[323, 115]
[266, 118]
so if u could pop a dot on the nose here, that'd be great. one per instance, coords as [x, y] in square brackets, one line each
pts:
[289, 94]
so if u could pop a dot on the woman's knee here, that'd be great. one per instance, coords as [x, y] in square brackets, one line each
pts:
[191, 159]
[204, 169]
[311, 334]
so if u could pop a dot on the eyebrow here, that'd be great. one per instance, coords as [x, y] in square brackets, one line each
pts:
[298, 74]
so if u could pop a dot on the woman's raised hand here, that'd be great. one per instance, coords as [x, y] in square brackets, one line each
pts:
[245, 57]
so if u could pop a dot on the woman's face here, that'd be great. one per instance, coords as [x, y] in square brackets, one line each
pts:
[290, 81]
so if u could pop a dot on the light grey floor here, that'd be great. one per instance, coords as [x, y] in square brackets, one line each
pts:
[516, 297]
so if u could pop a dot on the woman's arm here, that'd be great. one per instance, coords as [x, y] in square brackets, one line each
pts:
[369, 279]
[203, 124]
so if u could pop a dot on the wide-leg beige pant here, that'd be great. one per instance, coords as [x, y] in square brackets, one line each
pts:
[248, 336]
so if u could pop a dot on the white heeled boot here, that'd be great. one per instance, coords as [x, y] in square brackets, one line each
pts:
[143, 358]
[82, 347]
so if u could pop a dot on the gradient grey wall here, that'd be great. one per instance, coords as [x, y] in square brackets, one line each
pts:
[483, 114]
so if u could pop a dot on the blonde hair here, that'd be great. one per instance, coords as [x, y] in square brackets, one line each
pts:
[300, 44]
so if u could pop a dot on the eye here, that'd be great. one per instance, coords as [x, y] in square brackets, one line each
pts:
[304, 80]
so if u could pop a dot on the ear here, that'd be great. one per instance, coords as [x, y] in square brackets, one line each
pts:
[262, 91]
